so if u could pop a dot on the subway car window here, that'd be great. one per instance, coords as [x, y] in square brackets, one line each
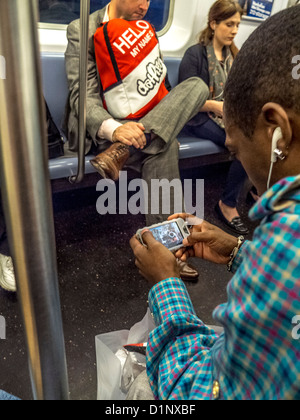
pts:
[64, 12]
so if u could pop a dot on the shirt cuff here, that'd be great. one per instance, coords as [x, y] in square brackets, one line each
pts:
[169, 298]
[108, 128]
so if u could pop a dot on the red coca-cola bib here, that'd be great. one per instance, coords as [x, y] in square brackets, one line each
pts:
[130, 67]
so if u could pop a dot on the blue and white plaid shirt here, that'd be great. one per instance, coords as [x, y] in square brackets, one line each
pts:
[258, 356]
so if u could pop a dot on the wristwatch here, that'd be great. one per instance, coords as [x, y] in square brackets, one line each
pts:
[235, 251]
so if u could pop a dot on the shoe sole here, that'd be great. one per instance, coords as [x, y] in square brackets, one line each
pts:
[103, 173]
[8, 287]
[190, 280]
[99, 169]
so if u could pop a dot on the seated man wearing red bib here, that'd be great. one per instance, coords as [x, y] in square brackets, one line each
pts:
[131, 117]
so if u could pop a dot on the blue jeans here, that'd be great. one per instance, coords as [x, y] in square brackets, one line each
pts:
[237, 174]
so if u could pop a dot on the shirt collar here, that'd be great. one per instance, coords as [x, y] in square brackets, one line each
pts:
[106, 16]
[282, 196]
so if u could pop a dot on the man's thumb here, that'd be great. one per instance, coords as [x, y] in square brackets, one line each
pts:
[148, 238]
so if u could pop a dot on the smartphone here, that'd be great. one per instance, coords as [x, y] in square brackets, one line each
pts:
[171, 234]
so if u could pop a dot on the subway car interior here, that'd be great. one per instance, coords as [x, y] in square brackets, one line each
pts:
[66, 233]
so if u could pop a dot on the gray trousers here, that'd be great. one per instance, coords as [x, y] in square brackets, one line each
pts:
[160, 159]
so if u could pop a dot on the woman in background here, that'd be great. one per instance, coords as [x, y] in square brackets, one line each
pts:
[211, 60]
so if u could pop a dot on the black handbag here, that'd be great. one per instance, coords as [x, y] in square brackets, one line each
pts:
[55, 140]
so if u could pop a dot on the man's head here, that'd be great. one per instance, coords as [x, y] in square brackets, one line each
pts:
[262, 94]
[129, 9]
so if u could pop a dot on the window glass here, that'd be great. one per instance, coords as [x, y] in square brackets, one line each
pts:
[64, 11]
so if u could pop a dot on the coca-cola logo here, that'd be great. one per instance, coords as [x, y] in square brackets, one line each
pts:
[153, 77]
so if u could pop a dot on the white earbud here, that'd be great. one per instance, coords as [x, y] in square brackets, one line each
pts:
[275, 153]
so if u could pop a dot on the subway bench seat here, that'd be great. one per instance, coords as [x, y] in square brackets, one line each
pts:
[55, 90]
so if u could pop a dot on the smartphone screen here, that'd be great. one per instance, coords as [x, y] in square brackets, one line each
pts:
[169, 235]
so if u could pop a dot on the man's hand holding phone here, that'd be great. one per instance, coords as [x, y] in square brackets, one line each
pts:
[154, 261]
[206, 241]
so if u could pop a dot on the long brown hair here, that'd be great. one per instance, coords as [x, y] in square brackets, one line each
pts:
[221, 10]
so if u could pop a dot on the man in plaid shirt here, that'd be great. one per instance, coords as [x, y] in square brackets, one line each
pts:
[258, 355]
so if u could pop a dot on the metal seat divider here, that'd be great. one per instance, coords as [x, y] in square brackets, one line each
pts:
[83, 67]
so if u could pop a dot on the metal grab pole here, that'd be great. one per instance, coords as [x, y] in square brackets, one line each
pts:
[27, 200]
[83, 64]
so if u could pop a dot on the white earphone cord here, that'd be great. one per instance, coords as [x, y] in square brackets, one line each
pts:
[270, 175]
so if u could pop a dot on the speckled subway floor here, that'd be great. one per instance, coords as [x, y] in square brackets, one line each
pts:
[100, 288]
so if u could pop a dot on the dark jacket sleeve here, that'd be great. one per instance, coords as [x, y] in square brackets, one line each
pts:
[195, 64]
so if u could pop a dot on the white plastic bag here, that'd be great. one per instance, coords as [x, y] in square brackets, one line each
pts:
[116, 368]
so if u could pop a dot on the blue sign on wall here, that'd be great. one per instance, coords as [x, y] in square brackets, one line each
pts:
[261, 9]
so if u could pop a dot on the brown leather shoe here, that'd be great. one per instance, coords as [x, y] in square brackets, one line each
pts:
[111, 161]
[187, 271]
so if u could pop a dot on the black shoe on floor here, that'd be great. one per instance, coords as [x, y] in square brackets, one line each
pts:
[236, 225]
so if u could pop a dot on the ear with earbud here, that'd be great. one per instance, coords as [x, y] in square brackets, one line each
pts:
[275, 152]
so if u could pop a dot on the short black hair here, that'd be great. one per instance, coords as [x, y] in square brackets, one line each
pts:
[263, 71]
